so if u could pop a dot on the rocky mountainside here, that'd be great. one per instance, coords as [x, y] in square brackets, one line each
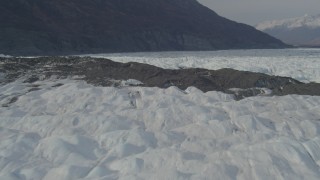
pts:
[38, 27]
[301, 31]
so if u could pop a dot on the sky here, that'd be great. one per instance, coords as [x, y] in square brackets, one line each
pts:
[255, 11]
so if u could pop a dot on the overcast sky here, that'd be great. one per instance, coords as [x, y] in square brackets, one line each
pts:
[254, 11]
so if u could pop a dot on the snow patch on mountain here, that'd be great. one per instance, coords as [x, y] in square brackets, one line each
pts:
[3, 55]
[306, 21]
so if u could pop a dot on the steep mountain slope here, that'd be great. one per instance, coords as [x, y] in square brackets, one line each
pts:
[296, 31]
[79, 26]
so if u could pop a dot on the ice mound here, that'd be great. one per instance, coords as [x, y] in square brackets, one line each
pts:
[78, 131]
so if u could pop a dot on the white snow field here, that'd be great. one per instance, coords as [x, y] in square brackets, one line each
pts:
[301, 64]
[78, 131]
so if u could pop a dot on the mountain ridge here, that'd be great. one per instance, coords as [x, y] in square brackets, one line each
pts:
[300, 31]
[42, 27]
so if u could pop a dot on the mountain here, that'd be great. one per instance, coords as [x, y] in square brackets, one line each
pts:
[46, 27]
[301, 31]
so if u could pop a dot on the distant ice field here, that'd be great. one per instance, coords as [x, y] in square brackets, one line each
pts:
[301, 64]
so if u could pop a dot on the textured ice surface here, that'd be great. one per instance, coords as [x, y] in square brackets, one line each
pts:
[77, 131]
[301, 64]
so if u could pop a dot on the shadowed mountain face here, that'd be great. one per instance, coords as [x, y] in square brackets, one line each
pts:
[37, 27]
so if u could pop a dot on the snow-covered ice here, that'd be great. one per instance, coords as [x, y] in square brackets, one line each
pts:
[78, 131]
[301, 64]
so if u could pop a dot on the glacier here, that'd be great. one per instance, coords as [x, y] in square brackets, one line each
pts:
[79, 131]
[68, 129]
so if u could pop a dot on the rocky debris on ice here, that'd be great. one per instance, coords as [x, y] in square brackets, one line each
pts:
[104, 72]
